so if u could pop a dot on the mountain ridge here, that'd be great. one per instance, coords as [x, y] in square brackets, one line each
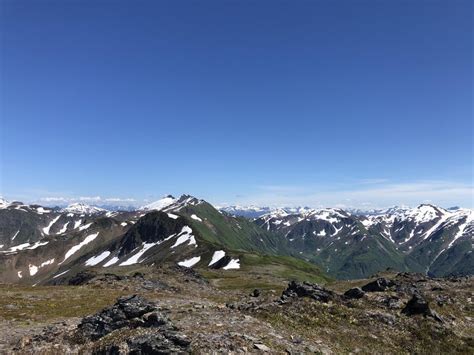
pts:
[426, 238]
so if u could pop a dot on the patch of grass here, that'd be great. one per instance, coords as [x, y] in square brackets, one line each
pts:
[265, 272]
[46, 303]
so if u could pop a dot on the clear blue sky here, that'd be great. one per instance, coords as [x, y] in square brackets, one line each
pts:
[357, 103]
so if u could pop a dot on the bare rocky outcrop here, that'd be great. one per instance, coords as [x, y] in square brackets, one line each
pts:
[306, 289]
[133, 312]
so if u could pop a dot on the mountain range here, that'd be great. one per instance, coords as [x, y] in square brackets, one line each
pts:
[42, 245]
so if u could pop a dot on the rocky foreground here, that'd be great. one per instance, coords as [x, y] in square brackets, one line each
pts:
[177, 310]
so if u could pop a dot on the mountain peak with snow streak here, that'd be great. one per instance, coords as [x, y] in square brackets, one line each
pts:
[160, 204]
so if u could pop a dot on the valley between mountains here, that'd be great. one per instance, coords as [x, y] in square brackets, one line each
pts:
[196, 278]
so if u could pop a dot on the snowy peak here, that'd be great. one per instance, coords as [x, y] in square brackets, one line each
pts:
[81, 208]
[307, 213]
[170, 203]
[424, 213]
[160, 204]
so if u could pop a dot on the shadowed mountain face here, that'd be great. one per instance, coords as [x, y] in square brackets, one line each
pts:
[43, 245]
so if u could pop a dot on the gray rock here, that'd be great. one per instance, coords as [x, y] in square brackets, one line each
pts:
[131, 312]
[306, 289]
[379, 285]
[355, 292]
[255, 293]
[262, 347]
[393, 302]
[416, 305]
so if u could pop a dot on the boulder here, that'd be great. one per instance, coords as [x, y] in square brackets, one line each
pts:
[262, 347]
[417, 305]
[255, 293]
[379, 285]
[306, 289]
[355, 292]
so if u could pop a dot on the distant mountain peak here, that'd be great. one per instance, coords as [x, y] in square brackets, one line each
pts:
[4, 203]
[82, 208]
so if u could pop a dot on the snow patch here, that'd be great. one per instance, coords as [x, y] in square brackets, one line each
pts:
[13, 238]
[322, 233]
[48, 227]
[185, 236]
[233, 264]
[196, 218]
[41, 210]
[97, 259]
[48, 262]
[20, 247]
[85, 226]
[190, 262]
[134, 259]
[75, 248]
[63, 229]
[60, 274]
[111, 262]
[33, 269]
[218, 255]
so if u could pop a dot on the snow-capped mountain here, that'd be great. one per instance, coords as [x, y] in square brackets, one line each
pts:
[256, 211]
[408, 227]
[82, 208]
[245, 211]
[401, 237]
[170, 203]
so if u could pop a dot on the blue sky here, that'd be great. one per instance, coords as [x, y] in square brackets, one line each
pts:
[349, 103]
